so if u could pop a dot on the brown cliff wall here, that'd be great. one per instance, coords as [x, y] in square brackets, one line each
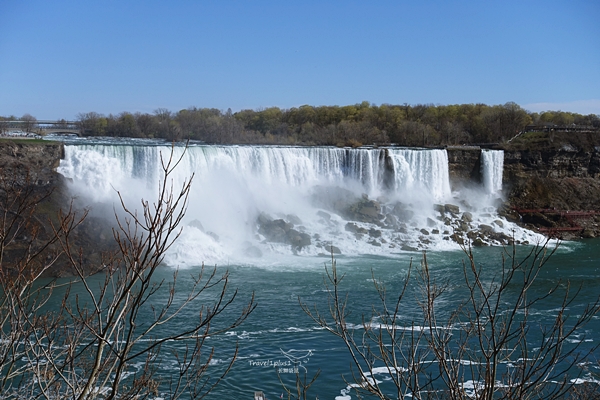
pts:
[565, 180]
[551, 164]
[550, 179]
[464, 165]
[28, 170]
[31, 161]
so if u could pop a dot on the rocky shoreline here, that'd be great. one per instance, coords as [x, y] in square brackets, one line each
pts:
[557, 191]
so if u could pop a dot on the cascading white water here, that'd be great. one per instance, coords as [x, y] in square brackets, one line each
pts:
[492, 167]
[362, 201]
[102, 169]
[427, 170]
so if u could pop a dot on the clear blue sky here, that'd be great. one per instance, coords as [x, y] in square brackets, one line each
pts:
[59, 58]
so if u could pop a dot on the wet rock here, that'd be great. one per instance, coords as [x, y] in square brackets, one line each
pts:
[298, 239]
[294, 219]
[457, 238]
[400, 211]
[369, 209]
[352, 227]
[462, 226]
[213, 235]
[196, 224]
[424, 231]
[467, 217]
[274, 234]
[451, 208]
[588, 234]
[435, 231]
[503, 238]
[510, 215]
[286, 226]
[406, 247]
[499, 223]
[362, 210]
[374, 233]
[263, 219]
[478, 242]
[281, 231]
[272, 230]
[391, 221]
[486, 228]
[333, 249]
[538, 219]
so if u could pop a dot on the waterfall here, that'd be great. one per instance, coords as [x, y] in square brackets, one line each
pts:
[492, 166]
[362, 201]
[100, 168]
[426, 169]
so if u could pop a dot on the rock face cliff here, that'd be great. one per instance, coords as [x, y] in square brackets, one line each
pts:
[555, 190]
[563, 186]
[31, 162]
[29, 181]
[464, 165]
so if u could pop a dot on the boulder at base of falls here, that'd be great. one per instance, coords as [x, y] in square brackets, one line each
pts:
[457, 237]
[281, 231]
[467, 217]
[401, 211]
[298, 239]
[352, 227]
[365, 210]
[333, 249]
[452, 209]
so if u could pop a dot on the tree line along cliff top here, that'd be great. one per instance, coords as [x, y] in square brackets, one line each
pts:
[505, 126]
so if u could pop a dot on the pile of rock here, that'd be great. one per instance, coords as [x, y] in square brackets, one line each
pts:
[382, 223]
[282, 231]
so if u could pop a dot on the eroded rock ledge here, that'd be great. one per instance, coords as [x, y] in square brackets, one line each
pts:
[28, 167]
[564, 179]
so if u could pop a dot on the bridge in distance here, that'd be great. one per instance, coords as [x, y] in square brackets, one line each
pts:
[41, 127]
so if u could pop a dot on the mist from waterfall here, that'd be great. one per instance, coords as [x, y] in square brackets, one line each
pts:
[312, 186]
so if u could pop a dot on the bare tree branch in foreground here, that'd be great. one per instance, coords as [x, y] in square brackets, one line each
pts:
[487, 347]
[106, 339]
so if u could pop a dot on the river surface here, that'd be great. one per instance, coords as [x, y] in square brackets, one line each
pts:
[279, 327]
[235, 184]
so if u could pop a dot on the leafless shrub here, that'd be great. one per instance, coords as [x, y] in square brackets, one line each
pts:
[487, 347]
[105, 340]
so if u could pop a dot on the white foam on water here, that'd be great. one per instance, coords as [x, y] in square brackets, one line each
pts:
[233, 185]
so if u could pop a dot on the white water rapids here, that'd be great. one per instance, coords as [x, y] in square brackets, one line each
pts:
[312, 188]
